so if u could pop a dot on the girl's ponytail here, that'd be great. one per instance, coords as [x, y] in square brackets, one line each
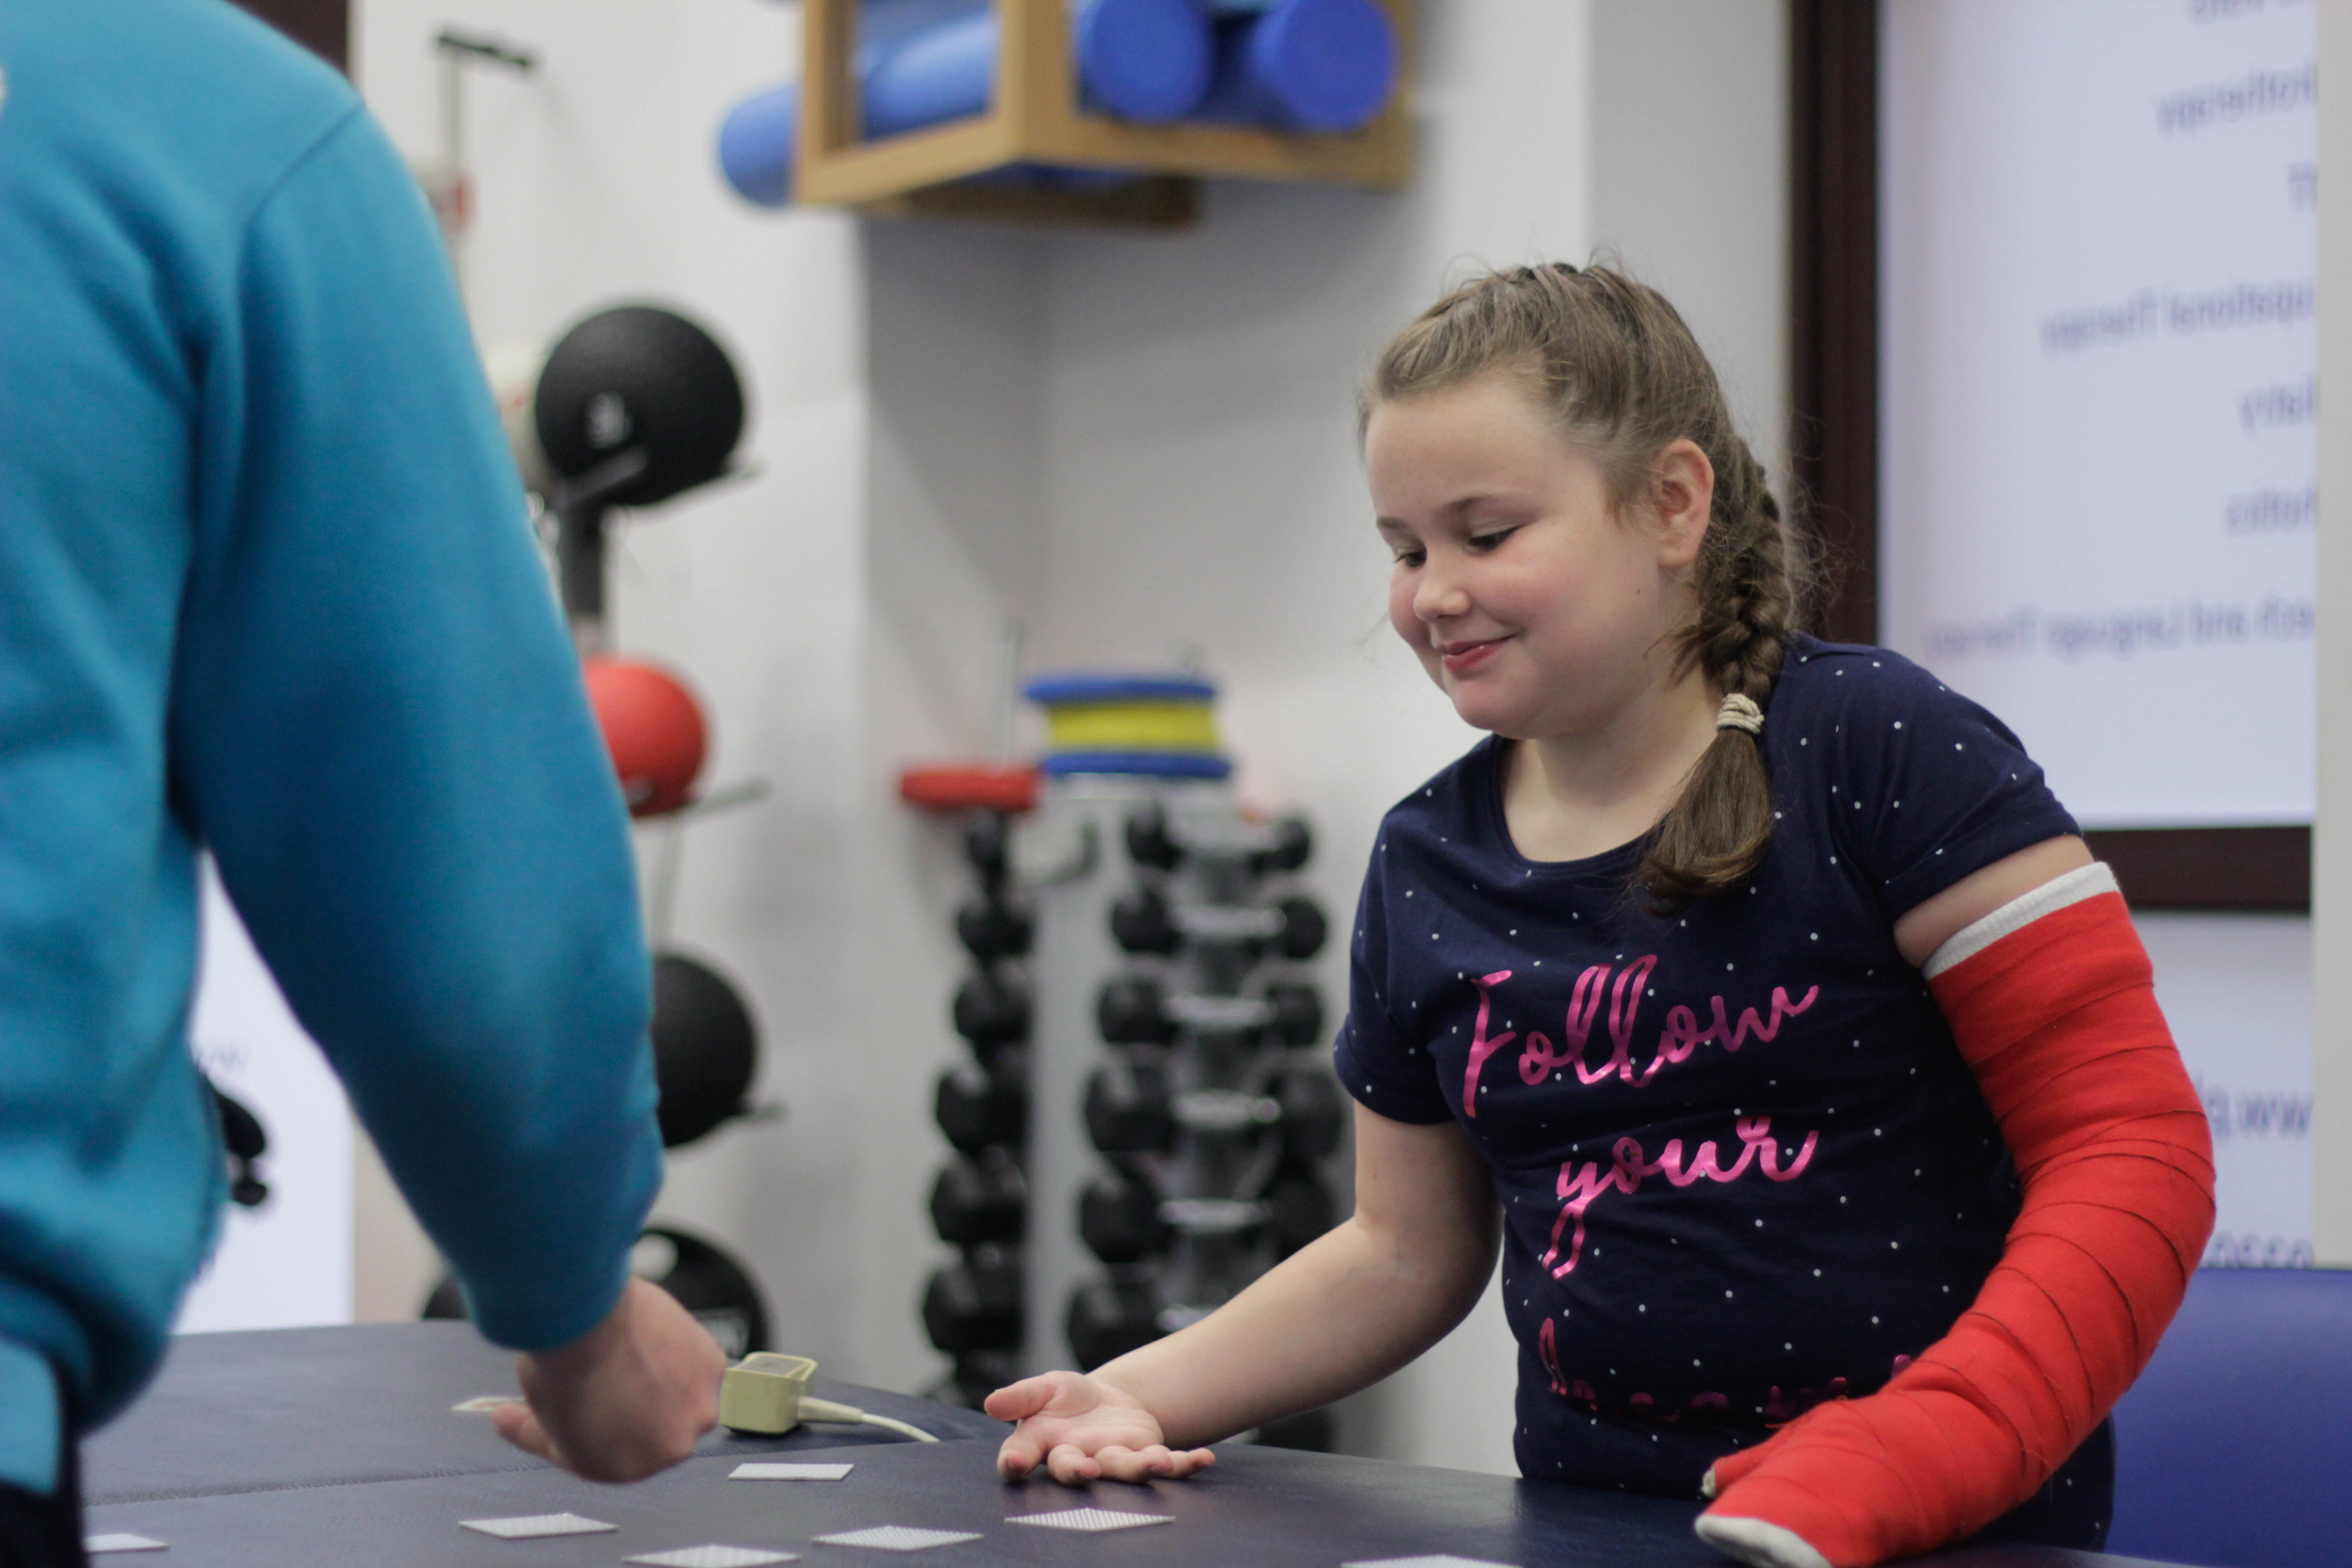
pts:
[1619, 368]
[1714, 835]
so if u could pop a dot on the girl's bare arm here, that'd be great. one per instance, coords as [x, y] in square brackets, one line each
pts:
[1337, 1315]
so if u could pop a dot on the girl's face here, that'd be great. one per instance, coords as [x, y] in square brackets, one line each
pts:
[1538, 608]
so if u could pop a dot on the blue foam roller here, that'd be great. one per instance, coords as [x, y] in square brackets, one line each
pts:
[756, 144]
[942, 73]
[1145, 60]
[1321, 66]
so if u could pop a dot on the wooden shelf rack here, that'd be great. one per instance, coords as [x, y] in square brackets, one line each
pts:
[1035, 118]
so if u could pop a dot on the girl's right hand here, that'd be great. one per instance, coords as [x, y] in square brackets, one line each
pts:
[1083, 1429]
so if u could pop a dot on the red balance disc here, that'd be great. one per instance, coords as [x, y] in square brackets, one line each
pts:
[654, 728]
[957, 786]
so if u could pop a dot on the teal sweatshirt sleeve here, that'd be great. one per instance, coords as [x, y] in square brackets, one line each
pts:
[377, 726]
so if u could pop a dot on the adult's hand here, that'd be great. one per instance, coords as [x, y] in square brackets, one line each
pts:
[626, 1399]
[1084, 1429]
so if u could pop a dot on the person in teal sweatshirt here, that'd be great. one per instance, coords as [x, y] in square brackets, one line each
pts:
[267, 594]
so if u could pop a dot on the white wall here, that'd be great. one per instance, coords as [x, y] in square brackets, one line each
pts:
[1690, 124]
[2237, 990]
[2332, 836]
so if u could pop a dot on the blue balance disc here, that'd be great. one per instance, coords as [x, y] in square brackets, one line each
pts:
[1064, 693]
[1143, 764]
[1060, 690]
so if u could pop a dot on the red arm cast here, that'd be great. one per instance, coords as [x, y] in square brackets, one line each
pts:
[2058, 1019]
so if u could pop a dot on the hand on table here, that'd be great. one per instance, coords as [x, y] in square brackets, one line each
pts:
[1083, 1430]
[626, 1399]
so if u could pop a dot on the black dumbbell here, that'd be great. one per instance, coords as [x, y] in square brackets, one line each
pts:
[1108, 1318]
[1148, 842]
[1119, 1219]
[1309, 1431]
[990, 929]
[1291, 844]
[1299, 1208]
[245, 1141]
[975, 1305]
[1304, 928]
[1129, 1109]
[1298, 1012]
[1314, 1112]
[992, 1011]
[988, 845]
[1131, 1011]
[980, 1198]
[976, 1375]
[977, 1107]
[1143, 920]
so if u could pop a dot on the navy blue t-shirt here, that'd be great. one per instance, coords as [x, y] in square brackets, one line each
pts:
[1741, 1164]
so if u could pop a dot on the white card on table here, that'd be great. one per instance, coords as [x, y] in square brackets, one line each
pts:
[897, 1538]
[483, 1404]
[532, 1526]
[714, 1557]
[764, 1470]
[1091, 1519]
[94, 1544]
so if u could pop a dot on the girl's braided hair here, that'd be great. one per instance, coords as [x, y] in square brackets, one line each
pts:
[1619, 368]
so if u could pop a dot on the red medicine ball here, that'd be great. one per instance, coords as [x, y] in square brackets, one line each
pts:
[654, 728]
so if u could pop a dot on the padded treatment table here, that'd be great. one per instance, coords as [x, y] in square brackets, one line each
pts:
[307, 1407]
[322, 1448]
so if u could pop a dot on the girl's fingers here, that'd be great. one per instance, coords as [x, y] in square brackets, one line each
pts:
[1069, 1465]
[1117, 1461]
[1018, 1457]
[1192, 1461]
[1019, 1401]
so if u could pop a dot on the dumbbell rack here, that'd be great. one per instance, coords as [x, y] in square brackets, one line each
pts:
[974, 1308]
[1186, 1108]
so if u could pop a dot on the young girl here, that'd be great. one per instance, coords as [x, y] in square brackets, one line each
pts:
[1861, 1252]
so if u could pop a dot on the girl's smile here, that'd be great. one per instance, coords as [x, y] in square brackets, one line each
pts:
[1461, 659]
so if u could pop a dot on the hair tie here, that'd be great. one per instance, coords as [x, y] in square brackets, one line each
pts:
[1739, 713]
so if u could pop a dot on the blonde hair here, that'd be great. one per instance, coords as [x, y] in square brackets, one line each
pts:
[1620, 369]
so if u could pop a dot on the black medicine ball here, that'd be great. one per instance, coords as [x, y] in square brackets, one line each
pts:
[700, 1274]
[637, 376]
[705, 1048]
[707, 1283]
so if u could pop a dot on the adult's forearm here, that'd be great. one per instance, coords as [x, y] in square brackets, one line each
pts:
[1339, 1315]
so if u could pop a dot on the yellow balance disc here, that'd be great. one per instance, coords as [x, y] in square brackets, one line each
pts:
[1132, 727]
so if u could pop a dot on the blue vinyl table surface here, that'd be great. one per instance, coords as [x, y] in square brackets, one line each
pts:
[319, 1447]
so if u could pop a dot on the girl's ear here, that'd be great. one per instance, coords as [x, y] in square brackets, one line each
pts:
[1682, 496]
